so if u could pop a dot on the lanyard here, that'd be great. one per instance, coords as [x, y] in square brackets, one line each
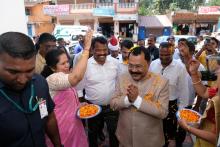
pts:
[31, 109]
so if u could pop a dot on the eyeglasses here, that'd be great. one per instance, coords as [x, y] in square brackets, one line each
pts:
[138, 66]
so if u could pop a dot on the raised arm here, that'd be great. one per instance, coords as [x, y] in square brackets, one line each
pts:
[196, 79]
[78, 71]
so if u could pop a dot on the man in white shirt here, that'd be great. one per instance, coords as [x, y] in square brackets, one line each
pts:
[178, 87]
[113, 47]
[126, 45]
[99, 84]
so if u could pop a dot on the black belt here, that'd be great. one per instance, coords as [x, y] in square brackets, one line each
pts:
[103, 106]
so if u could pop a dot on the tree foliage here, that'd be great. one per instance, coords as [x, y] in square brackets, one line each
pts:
[154, 7]
[214, 3]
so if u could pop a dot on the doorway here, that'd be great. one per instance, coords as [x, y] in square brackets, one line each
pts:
[107, 28]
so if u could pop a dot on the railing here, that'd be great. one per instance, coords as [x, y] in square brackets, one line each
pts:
[92, 5]
[83, 6]
[127, 5]
[36, 1]
[103, 5]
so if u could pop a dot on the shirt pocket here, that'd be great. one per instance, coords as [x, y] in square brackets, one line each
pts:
[111, 72]
[172, 80]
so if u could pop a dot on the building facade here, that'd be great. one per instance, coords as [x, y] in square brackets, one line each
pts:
[118, 16]
[37, 21]
[202, 22]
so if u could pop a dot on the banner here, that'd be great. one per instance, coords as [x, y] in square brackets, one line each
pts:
[103, 12]
[121, 17]
[55, 10]
[209, 10]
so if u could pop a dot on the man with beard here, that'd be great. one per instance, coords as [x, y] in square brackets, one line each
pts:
[126, 45]
[79, 47]
[46, 42]
[177, 75]
[142, 100]
[154, 51]
[26, 108]
[99, 84]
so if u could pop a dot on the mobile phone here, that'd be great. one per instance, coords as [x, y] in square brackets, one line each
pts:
[208, 76]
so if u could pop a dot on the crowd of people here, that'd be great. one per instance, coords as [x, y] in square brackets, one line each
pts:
[139, 89]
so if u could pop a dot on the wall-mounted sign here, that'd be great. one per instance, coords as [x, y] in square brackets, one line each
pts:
[110, 12]
[126, 17]
[209, 10]
[55, 10]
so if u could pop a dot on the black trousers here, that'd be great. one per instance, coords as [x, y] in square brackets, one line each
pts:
[96, 124]
[181, 134]
[170, 122]
[171, 130]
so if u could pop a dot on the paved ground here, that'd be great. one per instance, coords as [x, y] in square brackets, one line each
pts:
[187, 143]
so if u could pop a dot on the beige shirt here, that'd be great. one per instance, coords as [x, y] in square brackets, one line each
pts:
[40, 63]
[141, 125]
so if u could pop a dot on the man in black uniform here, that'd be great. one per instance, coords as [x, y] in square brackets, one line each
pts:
[26, 108]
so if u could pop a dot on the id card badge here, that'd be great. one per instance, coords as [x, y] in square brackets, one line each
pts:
[43, 109]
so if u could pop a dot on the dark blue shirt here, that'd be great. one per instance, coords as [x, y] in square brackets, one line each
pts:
[78, 48]
[19, 129]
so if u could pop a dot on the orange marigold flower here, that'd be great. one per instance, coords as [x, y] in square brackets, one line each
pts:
[189, 116]
[88, 110]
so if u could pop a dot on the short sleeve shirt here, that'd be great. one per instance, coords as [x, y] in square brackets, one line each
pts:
[22, 129]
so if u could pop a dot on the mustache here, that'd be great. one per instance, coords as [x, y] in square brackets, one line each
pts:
[102, 55]
[135, 73]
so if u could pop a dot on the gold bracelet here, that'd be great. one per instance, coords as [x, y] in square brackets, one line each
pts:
[85, 53]
[195, 83]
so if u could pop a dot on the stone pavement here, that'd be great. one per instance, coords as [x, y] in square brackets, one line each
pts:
[187, 143]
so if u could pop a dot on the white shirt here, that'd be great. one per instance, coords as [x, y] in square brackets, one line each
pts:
[178, 81]
[118, 57]
[99, 80]
[176, 54]
[122, 66]
[192, 92]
